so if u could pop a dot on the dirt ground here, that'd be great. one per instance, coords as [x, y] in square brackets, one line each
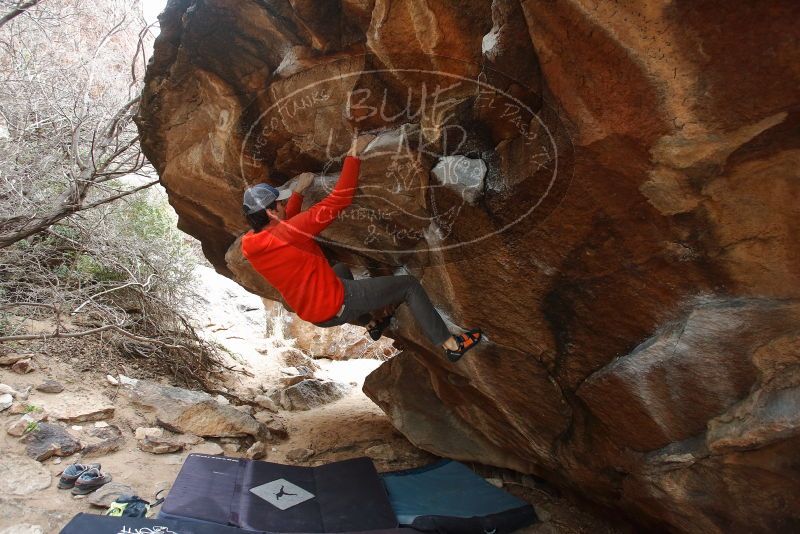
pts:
[350, 427]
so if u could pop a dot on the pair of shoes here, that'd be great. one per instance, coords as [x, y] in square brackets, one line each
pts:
[71, 474]
[465, 341]
[89, 481]
[376, 327]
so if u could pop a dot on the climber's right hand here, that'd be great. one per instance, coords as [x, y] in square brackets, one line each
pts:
[303, 181]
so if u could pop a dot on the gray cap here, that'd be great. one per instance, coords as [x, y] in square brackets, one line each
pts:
[260, 196]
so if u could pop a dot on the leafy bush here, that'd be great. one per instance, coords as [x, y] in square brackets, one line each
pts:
[123, 264]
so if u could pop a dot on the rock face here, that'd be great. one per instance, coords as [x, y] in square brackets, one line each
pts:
[609, 190]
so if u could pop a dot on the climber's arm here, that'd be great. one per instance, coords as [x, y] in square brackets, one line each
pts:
[294, 204]
[296, 200]
[315, 219]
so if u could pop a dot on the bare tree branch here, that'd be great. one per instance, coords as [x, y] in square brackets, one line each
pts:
[19, 10]
[104, 328]
[100, 143]
[120, 195]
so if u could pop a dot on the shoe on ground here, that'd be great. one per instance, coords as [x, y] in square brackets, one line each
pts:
[89, 481]
[71, 474]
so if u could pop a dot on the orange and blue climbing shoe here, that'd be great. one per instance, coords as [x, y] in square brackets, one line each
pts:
[465, 341]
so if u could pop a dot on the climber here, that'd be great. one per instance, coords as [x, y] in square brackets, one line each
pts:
[282, 249]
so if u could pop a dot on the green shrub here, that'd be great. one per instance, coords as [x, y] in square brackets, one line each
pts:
[89, 268]
[33, 426]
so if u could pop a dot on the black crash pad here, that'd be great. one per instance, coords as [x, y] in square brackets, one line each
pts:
[346, 496]
[100, 524]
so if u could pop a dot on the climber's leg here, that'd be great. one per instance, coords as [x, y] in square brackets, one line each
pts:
[373, 294]
[380, 321]
[343, 271]
[370, 294]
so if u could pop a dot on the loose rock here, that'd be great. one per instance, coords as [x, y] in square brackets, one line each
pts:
[230, 448]
[25, 366]
[299, 455]
[50, 386]
[76, 414]
[311, 393]
[18, 408]
[14, 357]
[195, 412]
[383, 452]
[25, 423]
[50, 440]
[257, 450]
[102, 440]
[266, 402]
[276, 427]
[19, 394]
[166, 442]
[105, 495]
[21, 475]
[6, 400]
[159, 445]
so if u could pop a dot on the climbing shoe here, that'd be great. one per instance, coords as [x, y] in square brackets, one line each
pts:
[89, 481]
[71, 474]
[465, 341]
[376, 327]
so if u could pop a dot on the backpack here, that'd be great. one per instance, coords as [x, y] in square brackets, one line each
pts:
[132, 506]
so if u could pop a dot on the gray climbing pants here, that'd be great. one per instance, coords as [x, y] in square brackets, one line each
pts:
[371, 294]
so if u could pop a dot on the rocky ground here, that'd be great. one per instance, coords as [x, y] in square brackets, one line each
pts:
[62, 403]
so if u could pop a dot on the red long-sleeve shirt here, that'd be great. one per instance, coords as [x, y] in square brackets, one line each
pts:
[289, 258]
